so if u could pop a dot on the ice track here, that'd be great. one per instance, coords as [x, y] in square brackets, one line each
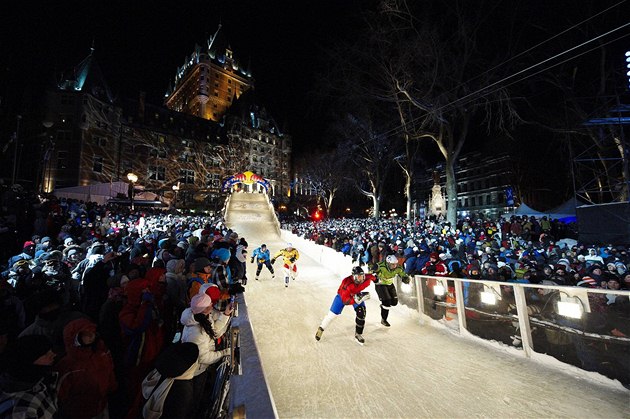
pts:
[408, 370]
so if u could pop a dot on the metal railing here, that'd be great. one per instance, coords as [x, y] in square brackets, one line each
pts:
[585, 327]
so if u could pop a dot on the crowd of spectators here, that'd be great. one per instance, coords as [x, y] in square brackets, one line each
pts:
[523, 249]
[97, 314]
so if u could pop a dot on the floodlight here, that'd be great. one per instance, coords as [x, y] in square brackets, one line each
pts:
[407, 288]
[488, 298]
[438, 289]
[571, 307]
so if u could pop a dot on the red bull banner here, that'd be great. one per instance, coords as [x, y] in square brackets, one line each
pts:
[246, 178]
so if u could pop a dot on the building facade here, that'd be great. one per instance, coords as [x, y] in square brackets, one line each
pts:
[212, 84]
[181, 151]
[209, 81]
[483, 184]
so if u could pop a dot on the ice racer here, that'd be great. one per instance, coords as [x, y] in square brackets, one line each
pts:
[289, 255]
[386, 272]
[350, 292]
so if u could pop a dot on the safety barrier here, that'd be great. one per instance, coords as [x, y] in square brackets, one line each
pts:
[583, 327]
[335, 261]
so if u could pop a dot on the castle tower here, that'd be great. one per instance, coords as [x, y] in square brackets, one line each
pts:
[209, 81]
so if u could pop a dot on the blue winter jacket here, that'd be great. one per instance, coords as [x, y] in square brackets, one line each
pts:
[258, 254]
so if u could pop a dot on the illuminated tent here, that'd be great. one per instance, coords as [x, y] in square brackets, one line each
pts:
[99, 192]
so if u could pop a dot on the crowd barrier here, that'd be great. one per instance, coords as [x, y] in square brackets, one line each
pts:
[574, 325]
[336, 262]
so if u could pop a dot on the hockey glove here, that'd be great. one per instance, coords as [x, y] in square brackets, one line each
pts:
[361, 297]
[406, 280]
[292, 260]
[251, 260]
[273, 261]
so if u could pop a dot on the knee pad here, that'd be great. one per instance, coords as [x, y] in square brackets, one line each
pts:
[360, 310]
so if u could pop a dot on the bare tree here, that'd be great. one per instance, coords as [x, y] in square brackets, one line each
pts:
[371, 155]
[326, 174]
[437, 57]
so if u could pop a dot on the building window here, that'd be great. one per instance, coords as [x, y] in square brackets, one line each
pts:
[473, 201]
[488, 199]
[213, 180]
[100, 141]
[157, 173]
[97, 164]
[158, 152]
[161, 138]
[62, 159]
[187, 176]
[466, 203]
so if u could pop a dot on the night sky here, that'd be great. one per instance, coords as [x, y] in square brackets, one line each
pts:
[139, 44]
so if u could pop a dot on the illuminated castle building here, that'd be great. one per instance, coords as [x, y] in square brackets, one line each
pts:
[212, 85]
[210, 128]
[208, 82]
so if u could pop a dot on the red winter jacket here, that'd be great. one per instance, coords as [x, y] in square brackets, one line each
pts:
[88, 373]
[348, 289]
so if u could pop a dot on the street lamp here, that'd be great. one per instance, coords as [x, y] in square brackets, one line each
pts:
[175, 189]
[133, 178]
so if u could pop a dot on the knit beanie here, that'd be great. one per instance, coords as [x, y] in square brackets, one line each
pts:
[199, 303]
[201, 263]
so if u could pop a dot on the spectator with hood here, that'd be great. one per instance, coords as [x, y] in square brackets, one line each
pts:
[88, 371]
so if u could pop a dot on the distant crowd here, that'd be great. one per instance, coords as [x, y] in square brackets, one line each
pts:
[524, 249]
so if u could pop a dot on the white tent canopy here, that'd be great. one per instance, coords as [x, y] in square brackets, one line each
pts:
[525, 210]
[99, 192]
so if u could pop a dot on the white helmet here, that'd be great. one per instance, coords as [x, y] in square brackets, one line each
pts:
[392, 259]
[289, 246]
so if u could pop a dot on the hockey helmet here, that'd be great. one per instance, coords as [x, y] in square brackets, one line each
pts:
[392, 261]
[358, 275]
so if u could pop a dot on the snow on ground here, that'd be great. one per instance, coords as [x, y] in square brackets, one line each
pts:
[408, 370]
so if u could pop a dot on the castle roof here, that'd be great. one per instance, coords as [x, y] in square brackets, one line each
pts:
[216, 50]
[87, 76]
[249, 110]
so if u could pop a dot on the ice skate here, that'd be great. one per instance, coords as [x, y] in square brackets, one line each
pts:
[359, 339]
[256, 278]
[286, 281]
[273, 276]
[385, 323]
[319, 333]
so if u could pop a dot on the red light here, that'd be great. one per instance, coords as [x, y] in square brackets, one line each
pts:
[317, 215]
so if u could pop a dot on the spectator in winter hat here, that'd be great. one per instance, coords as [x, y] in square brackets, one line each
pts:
[28, 253]
[202, 327]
